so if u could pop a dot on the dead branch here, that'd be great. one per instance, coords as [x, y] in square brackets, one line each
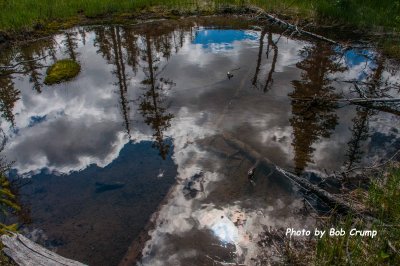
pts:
[23, 62]
[260, 13]
[374, 166]
[374, 100]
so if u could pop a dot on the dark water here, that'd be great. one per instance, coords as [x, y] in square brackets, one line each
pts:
[149, 114]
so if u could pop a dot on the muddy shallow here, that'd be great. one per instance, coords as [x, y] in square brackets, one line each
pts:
[147, 116]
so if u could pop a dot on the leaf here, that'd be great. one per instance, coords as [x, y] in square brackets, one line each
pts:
[384, 255]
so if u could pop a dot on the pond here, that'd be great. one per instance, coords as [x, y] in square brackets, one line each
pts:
[136, 152]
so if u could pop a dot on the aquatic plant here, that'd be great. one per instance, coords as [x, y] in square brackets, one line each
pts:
[62, 70]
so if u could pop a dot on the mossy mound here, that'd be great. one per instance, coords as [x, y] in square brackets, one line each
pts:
[62, 70]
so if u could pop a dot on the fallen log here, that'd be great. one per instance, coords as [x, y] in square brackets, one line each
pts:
[333, 201]
[290, 26]
[27, 253]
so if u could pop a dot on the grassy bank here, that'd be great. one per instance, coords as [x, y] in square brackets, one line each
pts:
[22, 15]
[383, 199]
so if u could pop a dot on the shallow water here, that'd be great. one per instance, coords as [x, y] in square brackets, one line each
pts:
[148, 116]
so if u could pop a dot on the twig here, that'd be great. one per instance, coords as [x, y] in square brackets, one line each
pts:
[23, 62]
[374, 166]
[392, 247]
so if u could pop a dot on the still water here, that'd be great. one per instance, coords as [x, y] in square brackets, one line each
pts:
[141, 135]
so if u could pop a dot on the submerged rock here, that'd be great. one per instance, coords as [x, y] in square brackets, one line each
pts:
[62, 70]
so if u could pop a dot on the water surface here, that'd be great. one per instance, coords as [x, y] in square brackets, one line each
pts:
[146, 120]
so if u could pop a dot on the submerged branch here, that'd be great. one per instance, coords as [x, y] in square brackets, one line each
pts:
[332, 200]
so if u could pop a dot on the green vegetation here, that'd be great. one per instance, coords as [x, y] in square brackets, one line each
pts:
[62, 70]
[21, 15]
[43, 17]
[4, 260]
[7, 202]
[384, 201]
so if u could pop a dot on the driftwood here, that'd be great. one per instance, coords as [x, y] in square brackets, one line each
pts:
[261, 13]
[27, 253]
[330, 199]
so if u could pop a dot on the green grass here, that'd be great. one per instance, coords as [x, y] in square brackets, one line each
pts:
[22, 15]
[62, 70]
[384, 201]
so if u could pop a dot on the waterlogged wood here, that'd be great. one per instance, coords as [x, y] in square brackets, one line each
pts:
[27, 253]
[332, 200]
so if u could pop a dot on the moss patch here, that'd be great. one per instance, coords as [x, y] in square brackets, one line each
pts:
[62, 70]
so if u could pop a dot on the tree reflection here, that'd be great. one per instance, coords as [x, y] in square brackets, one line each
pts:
[9, 95]
[70, 43]
[108, 39]
[274, 46]
[360, 133]
[151, 102]
[313, 103]
[121, 74]
[123, 46]
[374, 87]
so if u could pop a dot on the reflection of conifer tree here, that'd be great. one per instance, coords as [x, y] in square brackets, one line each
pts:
[121, 46]
[110, 46]
[178, 40]
[359, 134]
[271, 43]
[121, 75]
[151, 102]
[130, 42]
[259, 57]
[375, 88]
[9, 95]
[316, 117]
[103, 41]
[269, 81]
[31, 67]
[70, 43]
[360, 129]
[82, 33]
